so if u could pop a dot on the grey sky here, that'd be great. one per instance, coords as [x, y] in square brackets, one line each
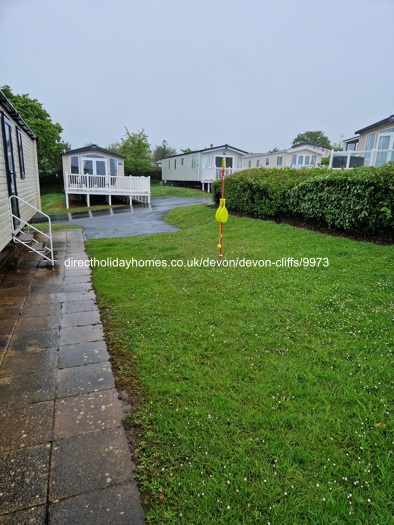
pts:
[251, 73]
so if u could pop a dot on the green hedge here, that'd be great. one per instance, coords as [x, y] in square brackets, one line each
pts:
[360, 200]
[262, 193]
[357, 200]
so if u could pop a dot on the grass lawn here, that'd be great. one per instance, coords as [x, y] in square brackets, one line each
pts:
[53, 201]
[265, 393]
[157, 190]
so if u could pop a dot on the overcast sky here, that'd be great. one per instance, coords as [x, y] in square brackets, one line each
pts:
[250, 73]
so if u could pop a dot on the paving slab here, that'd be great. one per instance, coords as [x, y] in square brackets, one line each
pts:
[37, 339]
[24, 477]
[84, 379]
[81, 334]
[91, 317]
[115, 505]
[28, 388]
[37, 324]
[26, 426]
[79, 306]
[87, 413]
[76, 472]
[29, 361]
[32, 516]
[82, 354]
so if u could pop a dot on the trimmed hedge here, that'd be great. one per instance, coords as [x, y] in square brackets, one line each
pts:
[360, 200]
[262, 193]
[357, 200]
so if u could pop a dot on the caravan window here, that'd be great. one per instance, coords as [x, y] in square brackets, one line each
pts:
[20, 153]
[112, 167]
[74, 163]
[369, 144]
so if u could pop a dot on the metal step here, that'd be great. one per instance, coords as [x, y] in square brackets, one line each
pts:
[38, 247]
[25, 237]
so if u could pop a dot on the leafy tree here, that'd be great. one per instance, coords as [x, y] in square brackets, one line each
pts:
[49, 144]
[186, 150]
[135, 147]
[274, 150]
[337, 146]
[66, 146]
[314, 137]
[163, 151]
[115, 147]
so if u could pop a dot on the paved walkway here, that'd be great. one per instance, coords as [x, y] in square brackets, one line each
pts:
[64, 456]
[124, 222]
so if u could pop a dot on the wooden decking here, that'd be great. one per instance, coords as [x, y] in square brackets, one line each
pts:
[134, 188]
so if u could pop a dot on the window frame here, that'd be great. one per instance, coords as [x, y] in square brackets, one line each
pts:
[19, 141]
[73, 167]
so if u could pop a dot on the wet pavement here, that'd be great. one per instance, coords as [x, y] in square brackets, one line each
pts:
[126, 222]
[64, 456]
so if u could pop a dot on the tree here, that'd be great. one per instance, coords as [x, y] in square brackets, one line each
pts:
[114, 146]
[163, 151]
[49, 144]
[136, 148]
[274, 150]
[313, 137]
[186, 150]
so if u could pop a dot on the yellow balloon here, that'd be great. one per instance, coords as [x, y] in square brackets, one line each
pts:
[221, 214]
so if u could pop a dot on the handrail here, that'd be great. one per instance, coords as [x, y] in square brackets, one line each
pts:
[25, 223]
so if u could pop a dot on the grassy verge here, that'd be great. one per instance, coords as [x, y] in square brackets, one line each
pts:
[158, 190]
[265, 392]
[53, 202]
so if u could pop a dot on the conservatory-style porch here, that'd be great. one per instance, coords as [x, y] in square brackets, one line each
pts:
[355, 158]
[131, 188]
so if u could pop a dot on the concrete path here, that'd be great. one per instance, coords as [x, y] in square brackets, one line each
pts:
[124, 222]
[64, 456]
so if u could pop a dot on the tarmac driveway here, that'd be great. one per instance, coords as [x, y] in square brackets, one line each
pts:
[127, 222]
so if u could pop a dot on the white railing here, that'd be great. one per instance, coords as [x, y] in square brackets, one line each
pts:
[106, 184]
[16, 220]
[139, 184]
[353, 159]
[210, 174]
[228, 171]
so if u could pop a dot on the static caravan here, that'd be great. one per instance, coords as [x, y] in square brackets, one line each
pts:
[300, 156]
[372, 146]
[93, 170]
[18, 172]
[202, 166]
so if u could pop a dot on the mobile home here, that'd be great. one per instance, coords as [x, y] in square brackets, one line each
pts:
[202, 166]
[373, 145]
[303, 155]
[19, 182]
[93, 170]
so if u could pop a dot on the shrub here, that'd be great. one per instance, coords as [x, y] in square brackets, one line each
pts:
[358, 200]
[262, 193]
